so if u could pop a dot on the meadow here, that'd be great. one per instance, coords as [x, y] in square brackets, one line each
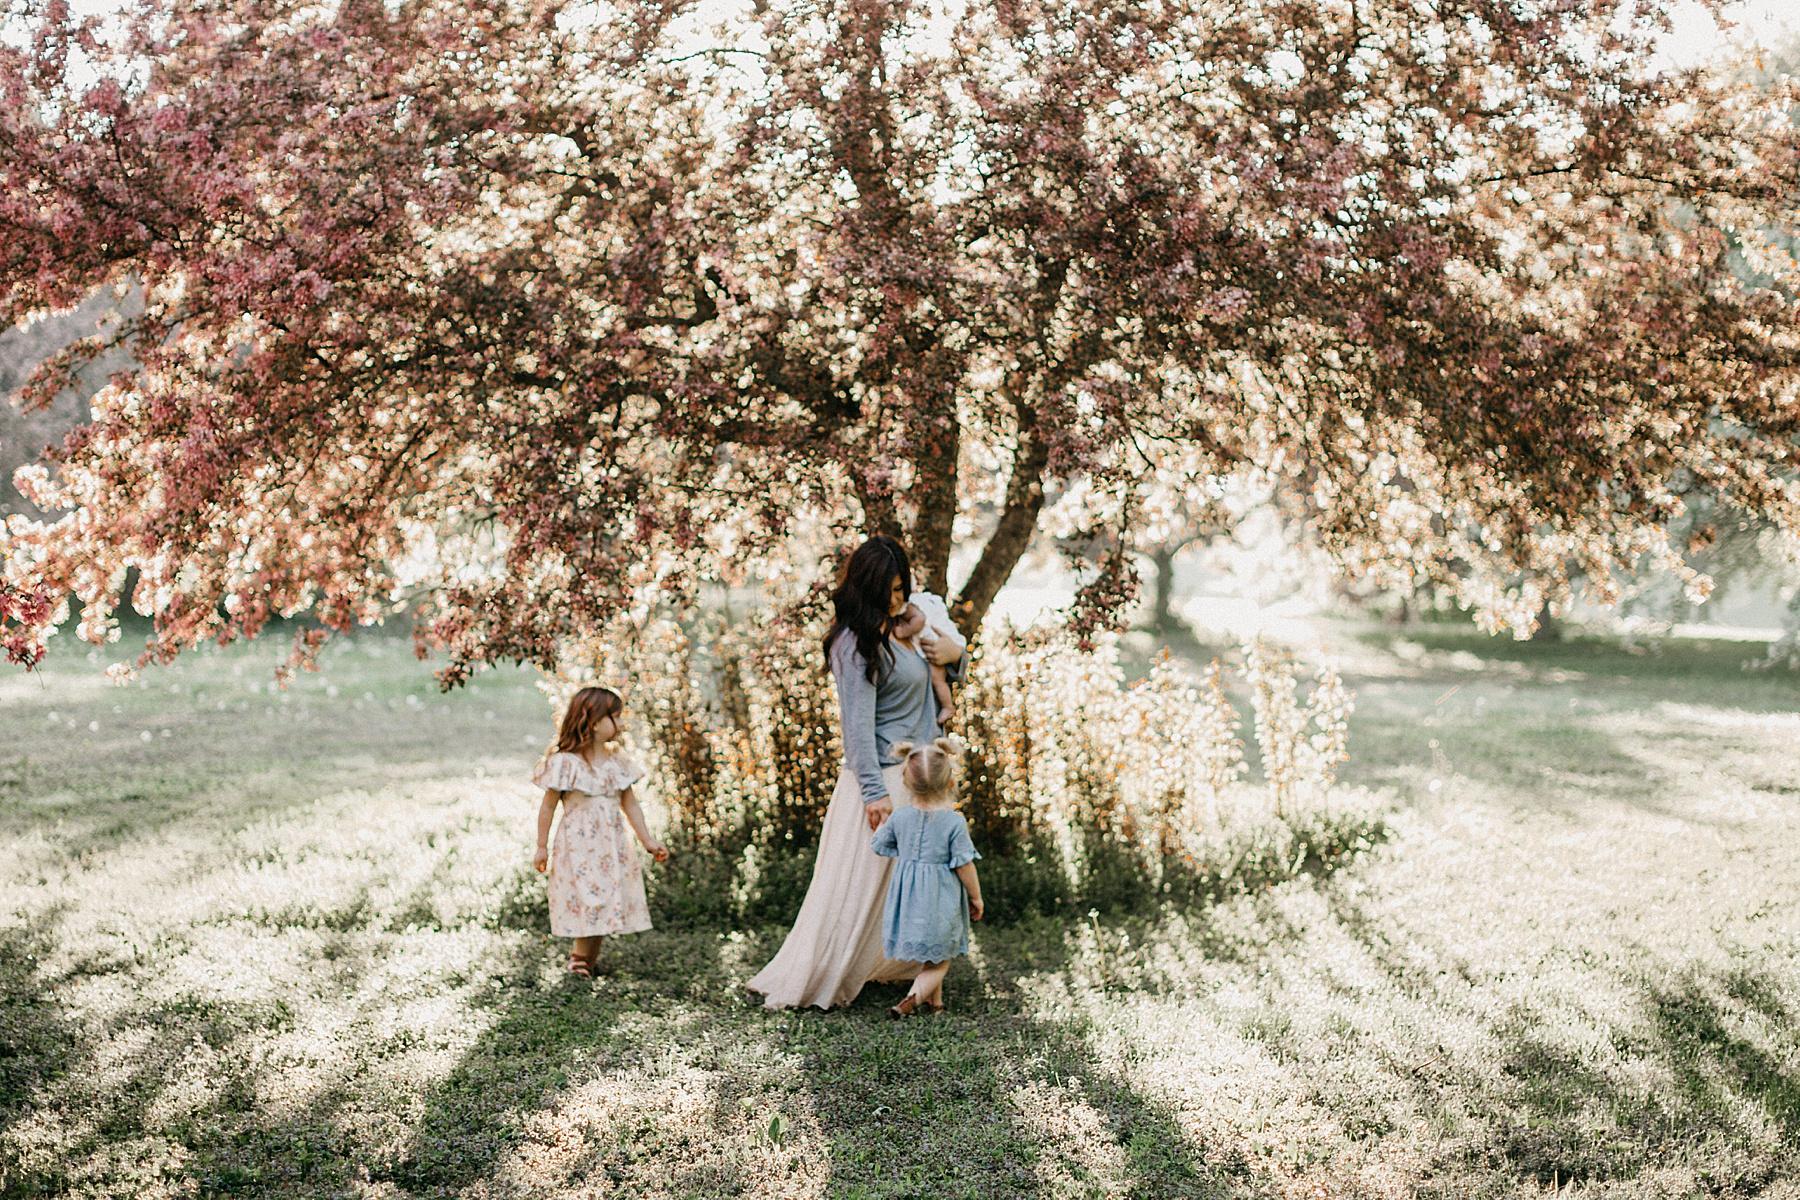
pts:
[269, 943]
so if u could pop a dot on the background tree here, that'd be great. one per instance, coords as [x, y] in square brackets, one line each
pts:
[25, 434]
[520, 314]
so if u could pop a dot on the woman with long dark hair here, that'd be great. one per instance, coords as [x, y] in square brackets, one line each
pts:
[885, 698]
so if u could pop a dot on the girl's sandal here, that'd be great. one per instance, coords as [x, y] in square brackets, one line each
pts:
[905, 1008]
[932, 1006]
[582, 967]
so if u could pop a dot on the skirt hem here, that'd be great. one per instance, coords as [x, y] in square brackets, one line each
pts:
[611, 931]
[834, 945]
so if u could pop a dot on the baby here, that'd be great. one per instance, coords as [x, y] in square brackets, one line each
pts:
[925, 620]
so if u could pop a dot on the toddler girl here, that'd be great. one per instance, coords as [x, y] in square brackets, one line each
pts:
[933, 892]
[596, 884]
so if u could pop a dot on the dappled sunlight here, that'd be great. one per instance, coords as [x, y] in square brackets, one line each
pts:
[1482, 991]
[660, 1120]
[1380, 654]
[1737, 722]
[1569, 962]
[215, 964]
[1075, 1153]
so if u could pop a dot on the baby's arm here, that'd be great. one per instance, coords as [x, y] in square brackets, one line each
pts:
[546, 809]
[971, 884]
[911, 625]
[628, 803]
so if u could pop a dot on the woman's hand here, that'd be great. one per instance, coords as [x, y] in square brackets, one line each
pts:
[878, 811]
[944, 651]
[658, 851]
[540, 860]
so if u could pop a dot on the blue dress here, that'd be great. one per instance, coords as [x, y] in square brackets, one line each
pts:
[927, 914]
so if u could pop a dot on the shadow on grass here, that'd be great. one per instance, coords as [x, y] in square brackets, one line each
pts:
[1698, 1076]
[1709, 1036]
[985, 1102]
[123, 804]
[36, 1044]
[547, 1035]
[160, 764]
[974, 1104]
[1035, 1109]
[650, 1080]
[1521, 748]
[163, 1091]
[1562, 1120]
[660, 1078]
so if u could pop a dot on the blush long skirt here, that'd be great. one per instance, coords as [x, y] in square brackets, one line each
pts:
[835, 945]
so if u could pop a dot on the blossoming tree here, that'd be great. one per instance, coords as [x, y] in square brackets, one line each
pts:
[517, 313]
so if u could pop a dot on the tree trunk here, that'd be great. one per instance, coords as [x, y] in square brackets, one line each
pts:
[879, 515]
[935, 494]
[1163, 558]
[1018, 521]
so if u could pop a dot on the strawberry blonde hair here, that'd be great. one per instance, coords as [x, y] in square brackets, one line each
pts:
[587, 708]
[929, 771]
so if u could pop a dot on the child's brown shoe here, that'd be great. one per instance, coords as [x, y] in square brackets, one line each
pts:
[906, 1008]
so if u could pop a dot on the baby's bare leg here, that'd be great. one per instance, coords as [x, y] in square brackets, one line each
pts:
[946, 702]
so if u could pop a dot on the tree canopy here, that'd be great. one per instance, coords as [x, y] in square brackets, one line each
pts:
[516, 314]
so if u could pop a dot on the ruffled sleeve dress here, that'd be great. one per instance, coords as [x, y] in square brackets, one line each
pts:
[926, 916]
[596, 879]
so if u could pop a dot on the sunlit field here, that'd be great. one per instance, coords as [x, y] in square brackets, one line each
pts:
[288, 944]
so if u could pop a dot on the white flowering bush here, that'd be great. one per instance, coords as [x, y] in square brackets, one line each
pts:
[1098, 792]
[1081, 788]
[1301, 742]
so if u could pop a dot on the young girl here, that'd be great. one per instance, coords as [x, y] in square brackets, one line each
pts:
[934, 891]
[596, 884]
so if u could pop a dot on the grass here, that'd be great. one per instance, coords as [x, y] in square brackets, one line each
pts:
[292, 947]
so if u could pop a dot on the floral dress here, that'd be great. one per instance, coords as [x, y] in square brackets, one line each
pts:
[596, 881]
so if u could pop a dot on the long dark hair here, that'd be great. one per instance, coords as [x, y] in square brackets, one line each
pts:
[860, 602]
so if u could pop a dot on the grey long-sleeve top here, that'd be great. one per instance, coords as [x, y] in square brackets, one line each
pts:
[898, 707]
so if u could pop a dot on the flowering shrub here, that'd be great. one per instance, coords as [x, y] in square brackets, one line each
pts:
[1081, 789]
[1092, 790]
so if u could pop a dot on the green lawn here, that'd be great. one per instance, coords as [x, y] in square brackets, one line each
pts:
[289, 944]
